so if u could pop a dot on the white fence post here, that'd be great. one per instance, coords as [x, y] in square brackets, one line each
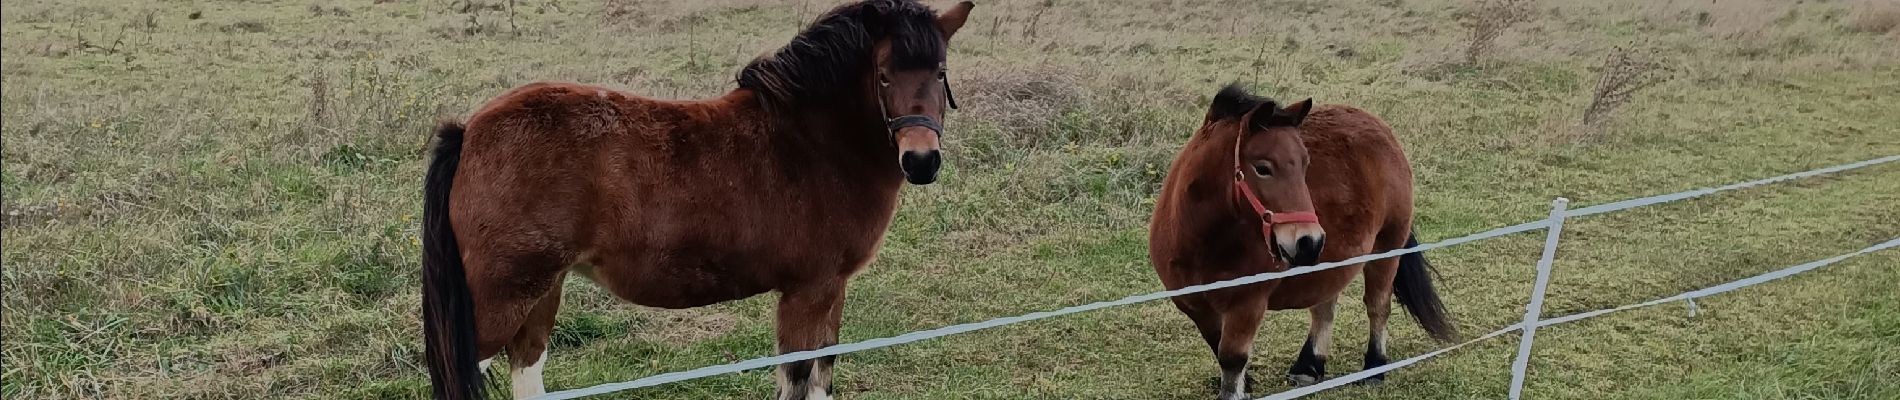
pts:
[1536, 309]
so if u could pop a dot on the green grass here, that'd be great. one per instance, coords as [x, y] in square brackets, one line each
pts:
[223, 206]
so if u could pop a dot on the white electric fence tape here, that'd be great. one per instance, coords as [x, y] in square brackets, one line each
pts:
[1750, 281]
[763, 362]
[1357, 376]
[1633, 203]
[969, 327]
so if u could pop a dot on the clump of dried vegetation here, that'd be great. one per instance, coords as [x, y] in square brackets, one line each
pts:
[1489, 20]
[1627, 70]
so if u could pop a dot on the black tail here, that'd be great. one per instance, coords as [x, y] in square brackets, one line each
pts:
[1413, 287]
[448, 312]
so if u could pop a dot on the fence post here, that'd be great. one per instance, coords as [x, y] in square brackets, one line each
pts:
[1536, 308]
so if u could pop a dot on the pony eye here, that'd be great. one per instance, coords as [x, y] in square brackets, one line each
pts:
[941, 75]
[1261, 169]
[883, 79]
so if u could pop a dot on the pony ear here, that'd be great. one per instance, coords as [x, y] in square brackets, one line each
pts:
[1261, 117]
[1294, 114]
[951, 20]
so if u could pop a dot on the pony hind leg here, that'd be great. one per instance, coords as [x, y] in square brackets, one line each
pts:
[513, 297]
[1378, 298]
[527, 352]
[1310, 367]
[808, 319]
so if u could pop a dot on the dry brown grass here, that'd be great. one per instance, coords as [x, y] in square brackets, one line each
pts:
[1876, 16]
[1746, 19]
[1020, 101]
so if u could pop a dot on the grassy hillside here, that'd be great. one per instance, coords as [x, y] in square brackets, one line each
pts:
[217, 200]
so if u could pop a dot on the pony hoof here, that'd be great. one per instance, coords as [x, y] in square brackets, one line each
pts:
[1302, 380]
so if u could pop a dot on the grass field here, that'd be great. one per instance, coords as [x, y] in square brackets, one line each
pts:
[217, 200]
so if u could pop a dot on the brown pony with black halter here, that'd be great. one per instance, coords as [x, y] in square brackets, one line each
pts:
[785, 184]
[1260, 187]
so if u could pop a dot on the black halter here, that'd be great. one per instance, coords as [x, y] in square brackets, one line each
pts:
[892, 125]
[902, 122]
[947, 95]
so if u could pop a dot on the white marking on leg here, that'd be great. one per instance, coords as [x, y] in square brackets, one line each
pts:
[783, 385]
[1322, 330]
[782, 377]
[815, 386]
[1378, 310]
[1375, 343]
[1233, 384]
[817, 392]
[1319, 336]
[1378, 341]
[819, 380]
[527, 380]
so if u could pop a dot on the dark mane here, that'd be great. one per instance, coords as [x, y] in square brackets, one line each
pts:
[835, 51]
[1233, 102]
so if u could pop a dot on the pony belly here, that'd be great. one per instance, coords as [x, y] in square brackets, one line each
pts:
[682, 294]
[1306, 291]
[1295, 301]
[677, 285]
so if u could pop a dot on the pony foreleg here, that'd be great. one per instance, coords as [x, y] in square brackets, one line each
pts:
[1310, 367]
[1238, 325]
[808, 319]
[1206, 321]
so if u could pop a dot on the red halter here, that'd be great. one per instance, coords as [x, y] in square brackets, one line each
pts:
[1267, 217]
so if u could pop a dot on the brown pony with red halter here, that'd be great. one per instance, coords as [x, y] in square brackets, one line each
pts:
[785, 184]
[1260, 187]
